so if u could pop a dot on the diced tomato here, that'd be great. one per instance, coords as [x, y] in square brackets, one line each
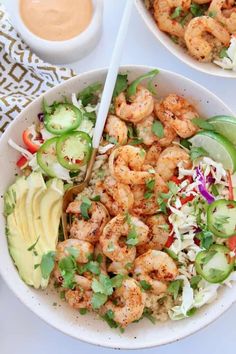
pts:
[169, 241]
[177, 180]
[22, 162]
[28, 140]
[186, 199]
[197, 241]
[231, 191]
[232, 243]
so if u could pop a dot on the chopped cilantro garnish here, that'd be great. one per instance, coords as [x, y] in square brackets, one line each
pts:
[90, 94]
[157, 129]
[197, 152]
[145, 285]
[68, 267]
[31, 248]
[111, 139]
[195, 280]
[177, 12]
[98, 299]
[83, 311]
[175, 287]
[121, 84]
[185, 143]
[96, 198]
[109, 318]
[223, 53]
[73, 251]
[136, 141]
[47, 264]
[206, 239]
[84, 207]
[202, 123]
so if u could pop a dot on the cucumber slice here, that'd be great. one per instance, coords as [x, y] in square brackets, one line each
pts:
[63, 118]
[218, 147]
[221, 218]
[225, 125]
[214, 265]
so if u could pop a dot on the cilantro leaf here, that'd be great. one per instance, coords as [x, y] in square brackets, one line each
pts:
[175, 287]
[103, 285]
[158, 129]
[177, 12]
[83, 311]
[93, 267]
[121, 84]
[195, 280]
[197, 152]
[206, 239]
[73, 251]
[98, 299]
[111, 139]
[202, 123]
[136, 141]
[109, 318]
[223, 53]
[68, 267]
[96, 198]
[171, 253]
[173, 187]
[197, 10]
[33, 245]
[185, 143]
[147, 313]
[47, 264]
[145, 285]
[84, 207]
[90, 94]
[117, 280]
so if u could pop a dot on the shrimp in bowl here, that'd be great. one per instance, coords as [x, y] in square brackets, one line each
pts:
[154, 228]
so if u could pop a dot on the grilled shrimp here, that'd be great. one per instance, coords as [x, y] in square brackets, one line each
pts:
[116, 128]
[198, 45]
[140, 106]
[148, 206]
[126, 164]
[177, 112]
[83, 248]
[152, 154]
[184, 4]
[169, 160]
[157, 268]
[117, 197]
[162, 14]
[226, 17]
[158, 233]
[144, 129]
[88, 230]
[79, 298]
[114, 233]
[129, 305]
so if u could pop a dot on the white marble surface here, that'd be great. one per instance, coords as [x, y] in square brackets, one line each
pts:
[21, 332]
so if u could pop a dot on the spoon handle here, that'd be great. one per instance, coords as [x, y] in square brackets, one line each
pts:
[112, 75]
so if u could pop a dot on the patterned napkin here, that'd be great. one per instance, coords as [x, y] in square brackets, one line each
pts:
[23, 75]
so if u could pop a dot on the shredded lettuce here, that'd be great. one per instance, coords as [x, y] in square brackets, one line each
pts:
[228, 62]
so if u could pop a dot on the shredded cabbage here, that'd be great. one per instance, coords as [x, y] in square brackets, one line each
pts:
[229, 61]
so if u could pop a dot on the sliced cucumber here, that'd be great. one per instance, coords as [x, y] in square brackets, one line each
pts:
[221, 218]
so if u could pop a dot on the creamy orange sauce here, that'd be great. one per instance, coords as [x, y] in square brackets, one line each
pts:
[56, 20]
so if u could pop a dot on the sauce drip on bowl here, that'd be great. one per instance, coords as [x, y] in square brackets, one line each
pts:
[56, 20]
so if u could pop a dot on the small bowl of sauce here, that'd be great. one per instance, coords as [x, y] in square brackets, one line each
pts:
[59, 31]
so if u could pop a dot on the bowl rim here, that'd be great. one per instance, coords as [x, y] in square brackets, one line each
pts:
[92, 340]
[194, 64]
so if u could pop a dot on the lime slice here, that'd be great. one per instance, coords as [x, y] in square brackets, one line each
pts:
[225, 125]
[218, 147]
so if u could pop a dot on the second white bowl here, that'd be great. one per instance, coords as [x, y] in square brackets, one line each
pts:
[208, 68]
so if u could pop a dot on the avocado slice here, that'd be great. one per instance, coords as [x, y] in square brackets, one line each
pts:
[33, 211]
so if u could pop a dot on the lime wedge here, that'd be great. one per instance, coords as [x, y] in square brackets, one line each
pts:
[225, 125]
[218, 147]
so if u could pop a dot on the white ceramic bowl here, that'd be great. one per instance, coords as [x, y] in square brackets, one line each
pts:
[208, 68]
[89, 328]
[60, 52]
